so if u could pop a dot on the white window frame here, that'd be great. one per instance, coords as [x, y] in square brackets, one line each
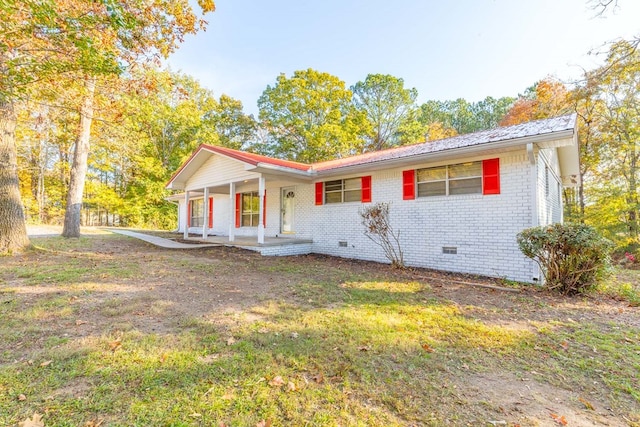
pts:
[343, 188]
[249, 212]
[447, 180]
[197, 213]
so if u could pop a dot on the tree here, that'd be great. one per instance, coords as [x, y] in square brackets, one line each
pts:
[449, 118]
[389, 108]
[234, 128]
[309, 117]
[619, 132]
[73, 39]
[547, 98]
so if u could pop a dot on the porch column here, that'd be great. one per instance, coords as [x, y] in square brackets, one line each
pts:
[261, 189]
[232, 211]
[186, 217]
[205, 214]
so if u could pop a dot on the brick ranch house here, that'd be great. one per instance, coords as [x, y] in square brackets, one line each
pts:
[458, 202]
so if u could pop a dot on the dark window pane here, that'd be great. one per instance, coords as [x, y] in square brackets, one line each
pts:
[465, 186]
[333, 185]
[353, 196]
[428, 189]
[353, 184]
[432, 174]
[335, 197]
[462, 170]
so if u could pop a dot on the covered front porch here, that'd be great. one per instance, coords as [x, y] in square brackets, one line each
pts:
[239, 198]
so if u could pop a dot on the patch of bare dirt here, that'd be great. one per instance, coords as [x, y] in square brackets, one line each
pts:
[527, 402]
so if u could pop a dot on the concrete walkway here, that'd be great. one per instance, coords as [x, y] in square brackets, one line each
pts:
[159, 241]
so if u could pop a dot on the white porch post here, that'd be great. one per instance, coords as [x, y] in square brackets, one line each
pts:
[186, 216]
[205, 214]
[261, 190]
[232, 211]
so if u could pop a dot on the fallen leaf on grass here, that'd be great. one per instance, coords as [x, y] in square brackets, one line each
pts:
[560, 419]
[231, 341]
[276, 381]
[564, 345]
[163, 357]
[114, 345]
[35, 421]
[364, 348]
[426, 347]
[319, 378]
[264, 423]
[46, 363]
[80, 322]
[291, 386]
[195, 415]
[93, 423]
[586, 403]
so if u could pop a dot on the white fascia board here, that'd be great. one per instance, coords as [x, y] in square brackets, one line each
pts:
[309, 174]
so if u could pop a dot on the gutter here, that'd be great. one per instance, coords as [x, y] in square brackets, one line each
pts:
[309, 173]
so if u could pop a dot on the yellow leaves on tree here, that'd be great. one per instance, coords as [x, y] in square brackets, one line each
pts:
[548, 98]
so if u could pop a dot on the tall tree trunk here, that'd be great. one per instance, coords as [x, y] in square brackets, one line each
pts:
[13, 230]
[632, 198]
[79, 167]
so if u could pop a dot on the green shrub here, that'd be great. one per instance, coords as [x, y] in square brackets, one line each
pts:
[572, 257]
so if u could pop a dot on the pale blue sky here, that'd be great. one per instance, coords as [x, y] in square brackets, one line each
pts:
[446, 49]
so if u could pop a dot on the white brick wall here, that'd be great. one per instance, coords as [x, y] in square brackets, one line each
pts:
[482, 228]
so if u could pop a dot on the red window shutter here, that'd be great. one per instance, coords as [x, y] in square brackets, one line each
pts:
[319, 193]
[189, 214]
[238, 203]
[409, 184]
[210, 215]
[491, 176]
[264, 209]
[366, 189]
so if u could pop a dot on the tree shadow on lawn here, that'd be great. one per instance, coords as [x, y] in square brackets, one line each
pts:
[359, 347]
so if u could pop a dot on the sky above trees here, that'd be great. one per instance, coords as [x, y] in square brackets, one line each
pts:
[446, 50]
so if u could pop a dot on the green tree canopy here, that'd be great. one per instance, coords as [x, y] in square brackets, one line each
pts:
[390, 109]
[309, 117]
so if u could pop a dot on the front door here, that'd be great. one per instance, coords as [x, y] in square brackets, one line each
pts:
[287, 198]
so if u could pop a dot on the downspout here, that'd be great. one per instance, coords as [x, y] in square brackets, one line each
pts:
[534, 203]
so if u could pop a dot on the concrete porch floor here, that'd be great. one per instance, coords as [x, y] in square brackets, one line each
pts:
[250, 241]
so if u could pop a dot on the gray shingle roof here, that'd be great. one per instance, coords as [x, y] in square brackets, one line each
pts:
[523, 130]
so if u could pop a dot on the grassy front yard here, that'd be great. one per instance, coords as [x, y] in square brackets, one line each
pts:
[107, 330]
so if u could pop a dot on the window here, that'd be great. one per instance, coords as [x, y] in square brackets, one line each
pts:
[343, 190]
[250, 210]
[197, 213]
[463, 178]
